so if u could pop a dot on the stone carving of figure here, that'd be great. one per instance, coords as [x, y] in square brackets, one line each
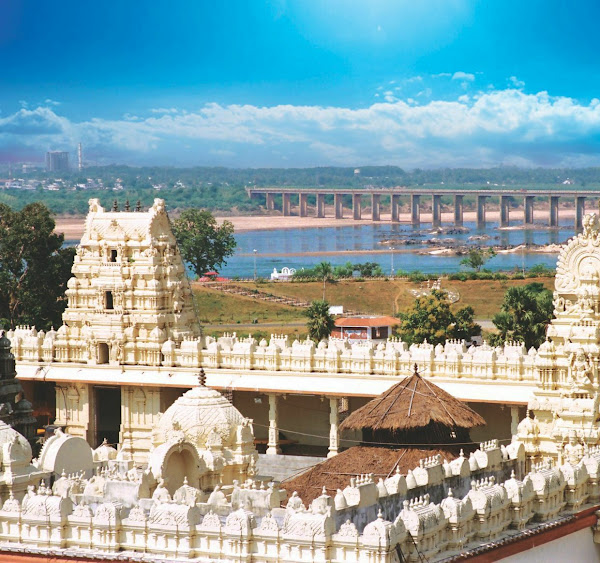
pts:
[581, 369]
[119, 351]
[572, 450]
[92, 349]
[116, 350]
[161, 494]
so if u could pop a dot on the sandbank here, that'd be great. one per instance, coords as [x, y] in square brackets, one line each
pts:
[72, 227]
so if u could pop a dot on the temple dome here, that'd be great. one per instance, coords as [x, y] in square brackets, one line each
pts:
[195, 415]
[9, 435]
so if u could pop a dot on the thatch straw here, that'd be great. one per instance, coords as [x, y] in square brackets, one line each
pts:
[335, 473]
[412, 405]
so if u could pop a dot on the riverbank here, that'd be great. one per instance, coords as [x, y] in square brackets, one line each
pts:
[72, 227]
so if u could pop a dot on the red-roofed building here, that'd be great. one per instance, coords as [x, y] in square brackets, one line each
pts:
[364, 328]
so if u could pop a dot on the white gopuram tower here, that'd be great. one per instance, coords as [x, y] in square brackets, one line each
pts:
[563, 418]
[129, 300]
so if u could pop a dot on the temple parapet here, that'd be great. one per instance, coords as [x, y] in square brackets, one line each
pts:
[394, 358]
[439, 509]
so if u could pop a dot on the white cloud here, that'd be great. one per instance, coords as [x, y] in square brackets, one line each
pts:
[464, 76]
[489, 128]
[164, 110]
[49, 102]
[516, 82]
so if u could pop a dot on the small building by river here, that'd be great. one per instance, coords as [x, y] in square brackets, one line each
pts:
[364, 327]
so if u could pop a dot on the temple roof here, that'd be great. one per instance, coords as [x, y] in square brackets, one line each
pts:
[198, 413]
[410, 405]
[335, 473]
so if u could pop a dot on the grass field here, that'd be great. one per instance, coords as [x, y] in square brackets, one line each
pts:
[389, 297]
[376, 297]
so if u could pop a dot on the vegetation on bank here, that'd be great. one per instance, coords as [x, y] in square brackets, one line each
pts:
[224, 189]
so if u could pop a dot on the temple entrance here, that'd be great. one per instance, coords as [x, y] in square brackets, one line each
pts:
[102, 353]
[107, 415]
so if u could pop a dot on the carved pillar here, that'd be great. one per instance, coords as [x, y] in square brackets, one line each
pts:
[273, 445]
[375, 207]
[334, 431]
[458, 210]
[514, 420]
[356, 210]
[74, 409]
[139, 415]
[320, 206]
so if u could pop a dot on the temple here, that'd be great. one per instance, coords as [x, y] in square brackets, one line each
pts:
[173, 469]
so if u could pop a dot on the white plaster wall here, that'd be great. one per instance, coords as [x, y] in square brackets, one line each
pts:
[574, 548]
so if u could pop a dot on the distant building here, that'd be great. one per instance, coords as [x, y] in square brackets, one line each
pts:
[364, 328]
[57, 161]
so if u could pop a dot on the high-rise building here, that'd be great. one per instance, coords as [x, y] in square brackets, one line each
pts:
[57, 161]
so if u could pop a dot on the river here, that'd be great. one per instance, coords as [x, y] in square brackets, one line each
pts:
[285, 247]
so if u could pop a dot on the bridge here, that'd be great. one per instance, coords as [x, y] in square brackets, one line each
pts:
[504, 196]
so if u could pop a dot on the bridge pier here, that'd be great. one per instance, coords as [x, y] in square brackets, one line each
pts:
[458, 211]
[303, 204]
[285, 205]
[356, 211]
[270, 201]
[436, 211]
[579, 212]
[528, 209]
[415, 209]
[339, 206]
[320, 206]
[554, 211]
[395, 208]
[504, 210]
[481, 199]
[375, 207]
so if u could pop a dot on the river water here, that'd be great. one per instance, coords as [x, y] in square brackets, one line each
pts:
[369, 237]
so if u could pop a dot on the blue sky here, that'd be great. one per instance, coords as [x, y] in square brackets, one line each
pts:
[300, 83]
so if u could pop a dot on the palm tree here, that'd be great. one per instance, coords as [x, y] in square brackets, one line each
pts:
[320, 321]
[525, 314]
[324, 270]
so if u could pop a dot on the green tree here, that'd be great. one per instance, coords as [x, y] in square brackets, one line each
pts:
[476, 258]
[320, 321]
[369, 269]
[344, 270]
[324, 271]
[202, 242]
[34, 268]
[524, 315]
[432, 319]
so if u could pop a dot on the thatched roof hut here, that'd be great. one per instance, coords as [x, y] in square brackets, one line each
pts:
[414, 412]
[335, 472]
[412, 420]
